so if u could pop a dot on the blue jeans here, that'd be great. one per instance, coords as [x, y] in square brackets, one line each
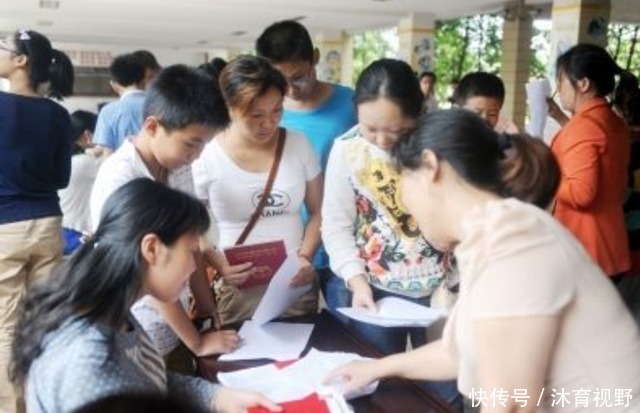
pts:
[71, 240]
[391, 340]
[335, 292]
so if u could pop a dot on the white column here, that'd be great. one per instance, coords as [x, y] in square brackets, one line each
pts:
[578, 21]
[516, 58]
[335, 56]
[417, 35]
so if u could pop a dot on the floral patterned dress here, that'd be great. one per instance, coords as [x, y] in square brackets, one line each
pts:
[366, 229]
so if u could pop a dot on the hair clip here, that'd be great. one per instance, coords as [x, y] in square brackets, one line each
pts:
[24, 35]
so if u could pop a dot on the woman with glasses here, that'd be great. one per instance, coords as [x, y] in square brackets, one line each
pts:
[35, 162]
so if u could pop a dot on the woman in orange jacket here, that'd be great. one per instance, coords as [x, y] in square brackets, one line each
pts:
[592, 150]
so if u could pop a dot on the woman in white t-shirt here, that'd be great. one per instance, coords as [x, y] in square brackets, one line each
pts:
[231, 175]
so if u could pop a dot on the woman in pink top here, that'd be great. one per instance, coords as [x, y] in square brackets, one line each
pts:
[536, 328]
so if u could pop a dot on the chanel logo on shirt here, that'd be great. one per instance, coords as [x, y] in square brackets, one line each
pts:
[277, 203]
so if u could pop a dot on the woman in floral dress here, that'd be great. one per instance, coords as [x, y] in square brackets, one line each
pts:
[374, 245]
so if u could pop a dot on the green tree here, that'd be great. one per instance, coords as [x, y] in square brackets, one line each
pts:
[461, 45]
[475, 43]
[623, 45]
[372, 45]
[541, 47]
[464, 45]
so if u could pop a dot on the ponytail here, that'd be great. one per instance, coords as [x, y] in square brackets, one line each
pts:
[626, 99]
[592, 62]
[507, 165]
[45, 64]
[60, 75]
[213, 68]
[529, 170]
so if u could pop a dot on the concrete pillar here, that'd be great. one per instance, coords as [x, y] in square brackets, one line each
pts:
[516, 57]
[346, 77]
[335, 59]
[578, 21]
[417, 35]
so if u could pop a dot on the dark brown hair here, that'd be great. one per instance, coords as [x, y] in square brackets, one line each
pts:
[246, 78]
[591, 62]
[46, 64]
[394, 80]
[626, 99]
[529, 171]
[285, 42]
[508, 165]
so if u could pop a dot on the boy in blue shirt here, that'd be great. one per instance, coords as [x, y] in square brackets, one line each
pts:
[122, 118]
[319, 110]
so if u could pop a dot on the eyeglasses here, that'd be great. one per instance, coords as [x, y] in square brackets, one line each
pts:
[300, 81]
[7, 49]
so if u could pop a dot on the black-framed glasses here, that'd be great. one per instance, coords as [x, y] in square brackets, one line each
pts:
[302, 80]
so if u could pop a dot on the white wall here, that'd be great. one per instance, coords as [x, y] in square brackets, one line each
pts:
[89, 103]
[165, 57]
[73, 103]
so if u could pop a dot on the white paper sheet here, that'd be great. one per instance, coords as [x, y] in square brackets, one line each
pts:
[268, 380]
[275, 341]
[316, 365]
[297, 380]
[335, 401]
[396, 312]
[537, 93]
[279, 295]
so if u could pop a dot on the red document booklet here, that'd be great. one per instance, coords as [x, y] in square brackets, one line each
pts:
[310, 404]
[267, 257]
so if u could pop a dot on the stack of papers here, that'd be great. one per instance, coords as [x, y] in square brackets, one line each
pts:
[263, 339]
[396, 312]
[296, 380]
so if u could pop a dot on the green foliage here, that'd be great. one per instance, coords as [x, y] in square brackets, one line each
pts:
[623, 46]
[372, 45]
[541, 47]
[465, 45]
[475, 43]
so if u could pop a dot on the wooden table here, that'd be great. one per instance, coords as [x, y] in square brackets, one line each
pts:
[329, 334]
